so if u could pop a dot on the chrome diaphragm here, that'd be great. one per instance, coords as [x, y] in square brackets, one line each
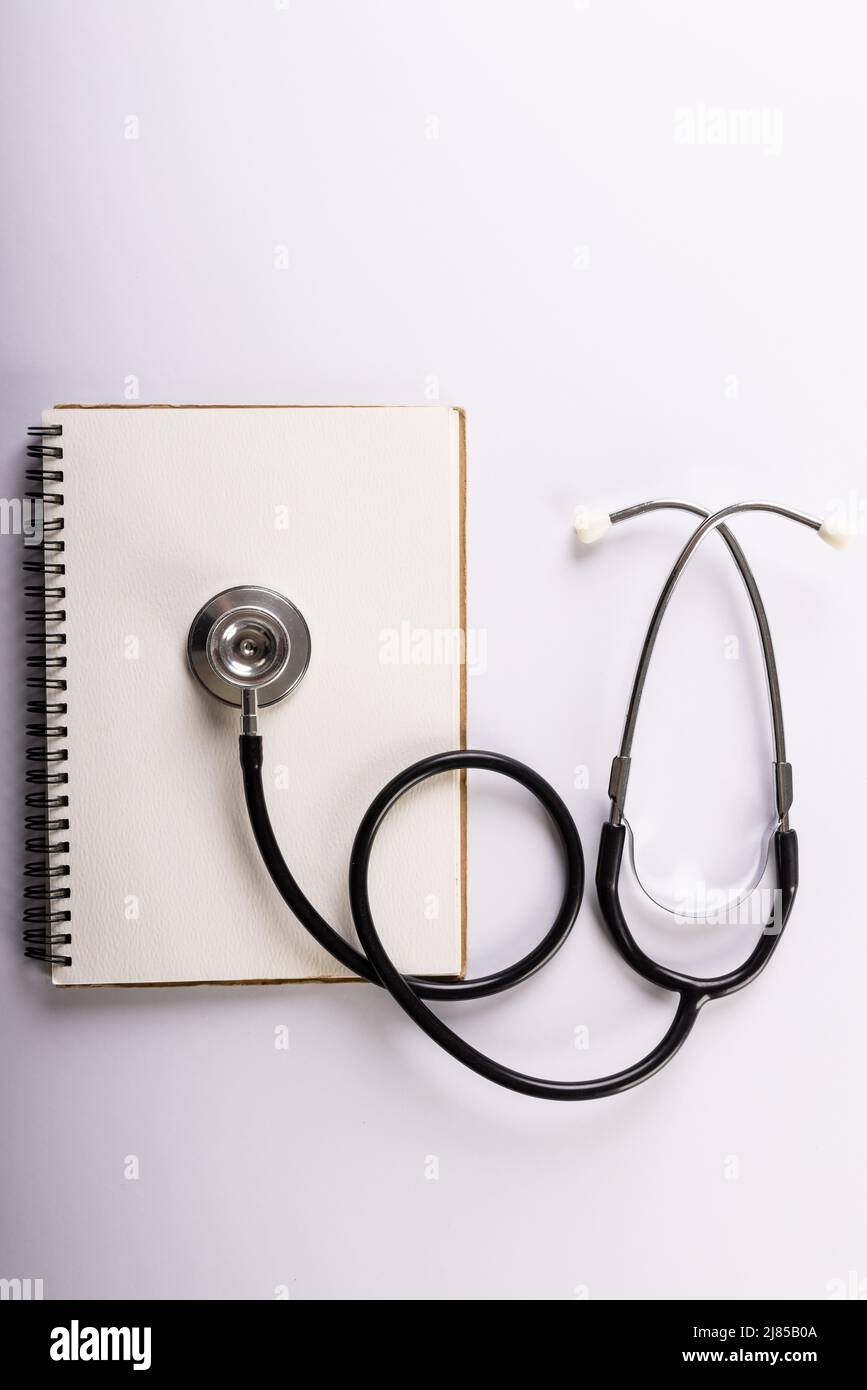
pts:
[249, 638]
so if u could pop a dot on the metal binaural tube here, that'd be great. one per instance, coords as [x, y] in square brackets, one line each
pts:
[710, 523]
[758, 607]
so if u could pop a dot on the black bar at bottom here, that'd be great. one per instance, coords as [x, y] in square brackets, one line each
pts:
[158, 1338]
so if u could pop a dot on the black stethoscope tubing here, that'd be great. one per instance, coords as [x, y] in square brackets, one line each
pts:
[363, 965]
[411, 992]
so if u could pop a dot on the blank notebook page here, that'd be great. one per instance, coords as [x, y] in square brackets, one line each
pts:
[355, 514]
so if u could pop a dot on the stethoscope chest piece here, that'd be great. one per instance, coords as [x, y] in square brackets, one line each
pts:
[249, 638]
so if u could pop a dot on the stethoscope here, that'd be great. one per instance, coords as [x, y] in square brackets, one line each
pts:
[250, 647]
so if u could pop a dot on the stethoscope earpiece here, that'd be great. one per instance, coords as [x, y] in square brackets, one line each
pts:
[249, 639]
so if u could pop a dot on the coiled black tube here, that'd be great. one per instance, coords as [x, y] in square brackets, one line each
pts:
[333, 942]
[410, 992]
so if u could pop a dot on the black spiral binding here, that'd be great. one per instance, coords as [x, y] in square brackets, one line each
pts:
[46, 886]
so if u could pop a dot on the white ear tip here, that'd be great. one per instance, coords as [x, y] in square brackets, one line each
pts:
[590, 526]
[833, 536]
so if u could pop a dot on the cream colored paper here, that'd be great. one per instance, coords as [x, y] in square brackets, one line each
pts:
[356, 515]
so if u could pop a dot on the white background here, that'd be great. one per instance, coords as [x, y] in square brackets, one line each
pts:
[526, 208]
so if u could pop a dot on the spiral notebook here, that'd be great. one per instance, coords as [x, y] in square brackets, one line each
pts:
[142, 866]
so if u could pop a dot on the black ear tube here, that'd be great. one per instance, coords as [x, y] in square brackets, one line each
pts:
[701, 989]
